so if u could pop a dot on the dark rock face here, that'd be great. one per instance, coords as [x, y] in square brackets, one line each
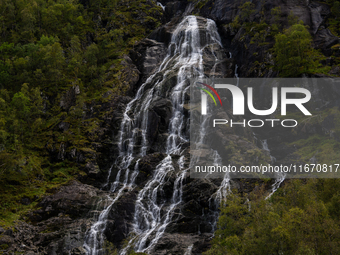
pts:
[147, 55]
[163, 108]
[245, 53]
[146, 165]
[59, 226]
[74, 200]
[69, 98]
[324, 40]
[120, 218]
[177, 243]
[130, 73]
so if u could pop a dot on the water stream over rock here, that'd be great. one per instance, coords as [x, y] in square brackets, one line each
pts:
[155, 124]
[192, 40]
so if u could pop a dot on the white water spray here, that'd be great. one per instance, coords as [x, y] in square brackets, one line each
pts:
[280, 176]
[153, 213]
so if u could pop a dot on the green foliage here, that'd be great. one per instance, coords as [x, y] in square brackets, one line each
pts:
[292, 19]
[294, 54]
[235, 24]
[48, 43]
[276, 14]
[299, 218]
[201, 3]
[325, 150]
[246, 10]
[293, 46]
[48, 48]
[110, 249]
[334, 19]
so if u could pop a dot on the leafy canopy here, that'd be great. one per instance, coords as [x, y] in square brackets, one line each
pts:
[293, 50]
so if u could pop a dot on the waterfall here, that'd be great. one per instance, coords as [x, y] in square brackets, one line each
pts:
[185, 54]
[148, 219]
[152, 215]
[277, 183]
[236, 75]
[189, 250]
[280, 176]
[219, 196]
[265, 147]
[94, 239]
[160, 4]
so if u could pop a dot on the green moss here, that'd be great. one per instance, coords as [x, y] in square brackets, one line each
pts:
[4, 246]
[200, 4]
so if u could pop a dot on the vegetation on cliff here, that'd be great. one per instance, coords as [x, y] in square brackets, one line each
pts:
[300, 218]
[56, 57]
[294, 54]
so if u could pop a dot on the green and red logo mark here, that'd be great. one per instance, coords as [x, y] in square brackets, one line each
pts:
[213, 90]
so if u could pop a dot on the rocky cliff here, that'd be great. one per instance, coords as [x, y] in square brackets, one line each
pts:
[136, 193]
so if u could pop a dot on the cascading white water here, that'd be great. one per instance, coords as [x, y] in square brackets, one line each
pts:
[266, 148]
[152, 215]
[265, 145]
[185, 54]
[189, 250]
[148, 218]
[219, 196]
[277, 183]
[280, 176]
[133, 126]
[236, 75]
[160, 4]
[94, 239]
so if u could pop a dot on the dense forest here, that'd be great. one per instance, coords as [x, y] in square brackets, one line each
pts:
[49, 48]
[62, 63]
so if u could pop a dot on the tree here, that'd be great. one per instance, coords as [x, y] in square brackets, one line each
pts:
[300, 218]
[336, 9]
[247, 9]
[293, 50]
